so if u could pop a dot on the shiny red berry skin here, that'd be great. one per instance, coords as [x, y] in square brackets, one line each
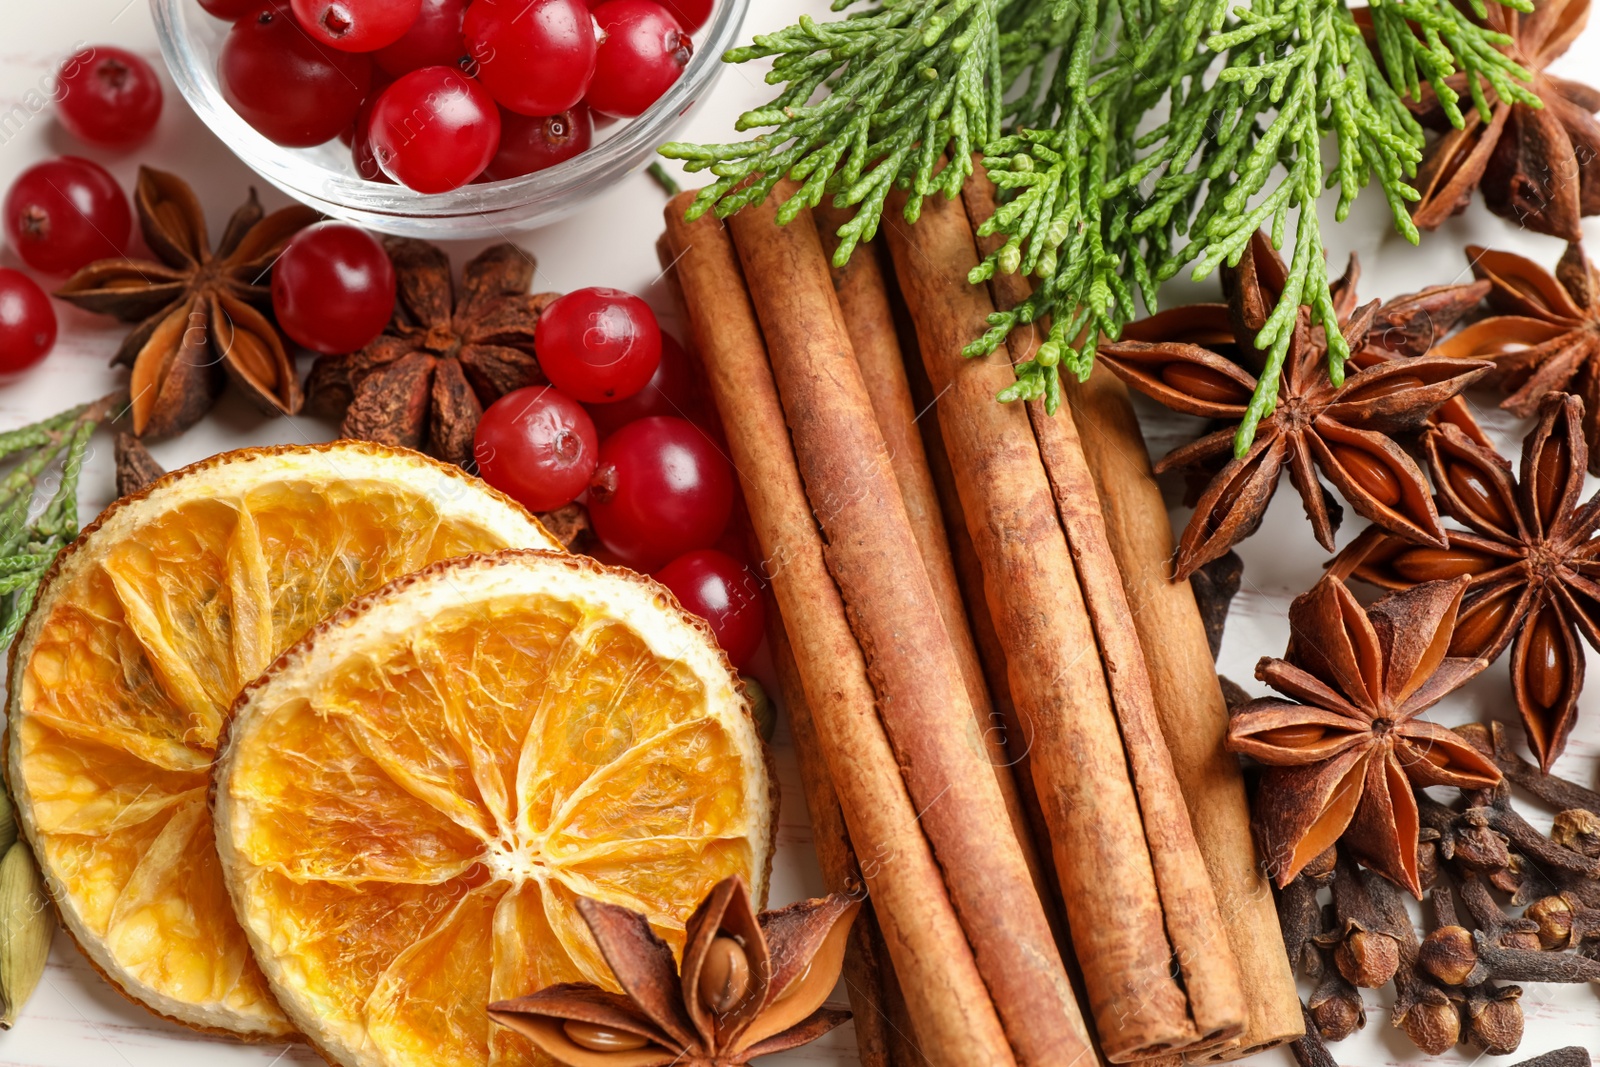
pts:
[662, 488]
[535, 57]
[357, 25]
[108, 96]
[642, 53]
[530, 143]
[333, 288]
[537, 446]
[719, 589]
[434, 40]
[435, 130]
[66, 213]
[27, 322]
[598, 345]
[290, 89]
[691, 14]
[230, 10]
[674, 389]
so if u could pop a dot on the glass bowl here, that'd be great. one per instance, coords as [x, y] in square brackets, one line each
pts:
[325, 177]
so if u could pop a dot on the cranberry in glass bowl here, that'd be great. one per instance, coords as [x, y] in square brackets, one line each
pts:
[325, 176]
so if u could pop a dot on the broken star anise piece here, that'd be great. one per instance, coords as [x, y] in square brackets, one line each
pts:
[1529, 553]
[1345, 754]
[200, 312]
[1535, 164]
[1546, 335]
[750, 985]
[1345, 431]
[446, 356]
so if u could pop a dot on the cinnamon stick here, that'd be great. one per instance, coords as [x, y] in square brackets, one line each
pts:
[869, 319]
[1079, 768]
[923, 698]
[866, 968]
[1189, 704]
[1211, 975]
[952, 1011]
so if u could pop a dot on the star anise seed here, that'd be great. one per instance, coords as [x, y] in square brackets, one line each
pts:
[750, 985]
[1545, 337]
[1535, 165]
[1529, 554]
[200, 313]
[445, 357]
[1342, 430]
[1346, 753]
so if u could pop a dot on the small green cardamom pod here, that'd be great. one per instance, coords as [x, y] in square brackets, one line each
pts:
[26, 927]
[8, 823]
[761, 709]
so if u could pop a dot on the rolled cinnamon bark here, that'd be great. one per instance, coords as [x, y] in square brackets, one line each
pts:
[869, 319]
[864, 971]
[1189, 705]
[1079, 769]
[952, 1010]
[922, 695]
[1211, 976]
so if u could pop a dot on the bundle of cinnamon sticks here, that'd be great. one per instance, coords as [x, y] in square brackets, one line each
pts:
[994, 692]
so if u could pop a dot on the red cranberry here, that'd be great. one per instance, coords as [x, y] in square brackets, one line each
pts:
[27, 322]
[66, 213]
[333, 288]
[292, 90]
[434, 40]
[357, 25]
[535, 57]
[435, 130]
[643, 52]
[108, 96]
[531, 143]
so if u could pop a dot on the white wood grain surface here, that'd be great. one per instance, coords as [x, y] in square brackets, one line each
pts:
[78, 1020]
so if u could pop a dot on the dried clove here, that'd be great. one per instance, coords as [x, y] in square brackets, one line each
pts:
[1562, 921]
[1309, 1051]
[1494, 1018]
[1488, 916]
[1424, 1010]
[1335, 1006]
[1577, 829]
[1493, 740]
[1365, 951]
[1571, 1056]
[1300, 920]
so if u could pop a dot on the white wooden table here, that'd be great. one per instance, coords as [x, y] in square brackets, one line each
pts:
[77, 1020]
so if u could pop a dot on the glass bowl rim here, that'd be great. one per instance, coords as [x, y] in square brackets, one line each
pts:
[347, 195]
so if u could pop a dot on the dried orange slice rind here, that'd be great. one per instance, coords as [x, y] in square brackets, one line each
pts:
[139, 640]
[410, 801]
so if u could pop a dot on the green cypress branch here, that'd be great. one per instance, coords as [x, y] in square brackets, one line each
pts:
[1098, 211]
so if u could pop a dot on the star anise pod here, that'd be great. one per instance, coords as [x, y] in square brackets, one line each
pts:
[1345, 754]
[1535, 165]
[444, 358]
[750, 985]
[1345, 431]
[200, 312]
[1530, 556]
[1546, 337]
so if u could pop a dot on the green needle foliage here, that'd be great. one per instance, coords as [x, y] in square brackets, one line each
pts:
[1129, 138]
[46, 459]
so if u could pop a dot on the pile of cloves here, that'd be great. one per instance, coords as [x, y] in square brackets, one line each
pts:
[1506, 905]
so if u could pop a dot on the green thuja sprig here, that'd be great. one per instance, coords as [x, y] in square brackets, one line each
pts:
[907, 82]
[51, 450]
[1099, 205]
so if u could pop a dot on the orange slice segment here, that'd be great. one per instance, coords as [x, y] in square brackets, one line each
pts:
[471, 749]
[140, 640]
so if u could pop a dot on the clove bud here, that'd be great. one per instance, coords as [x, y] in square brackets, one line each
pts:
[1433, 1025]
[1494, 1019]
[1336, 1008]
[1578, 830]
[1450, 955]
[1366, 958]
[724, 975]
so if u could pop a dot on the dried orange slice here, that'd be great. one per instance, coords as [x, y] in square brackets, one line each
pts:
[140, 639]
[409, 803]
